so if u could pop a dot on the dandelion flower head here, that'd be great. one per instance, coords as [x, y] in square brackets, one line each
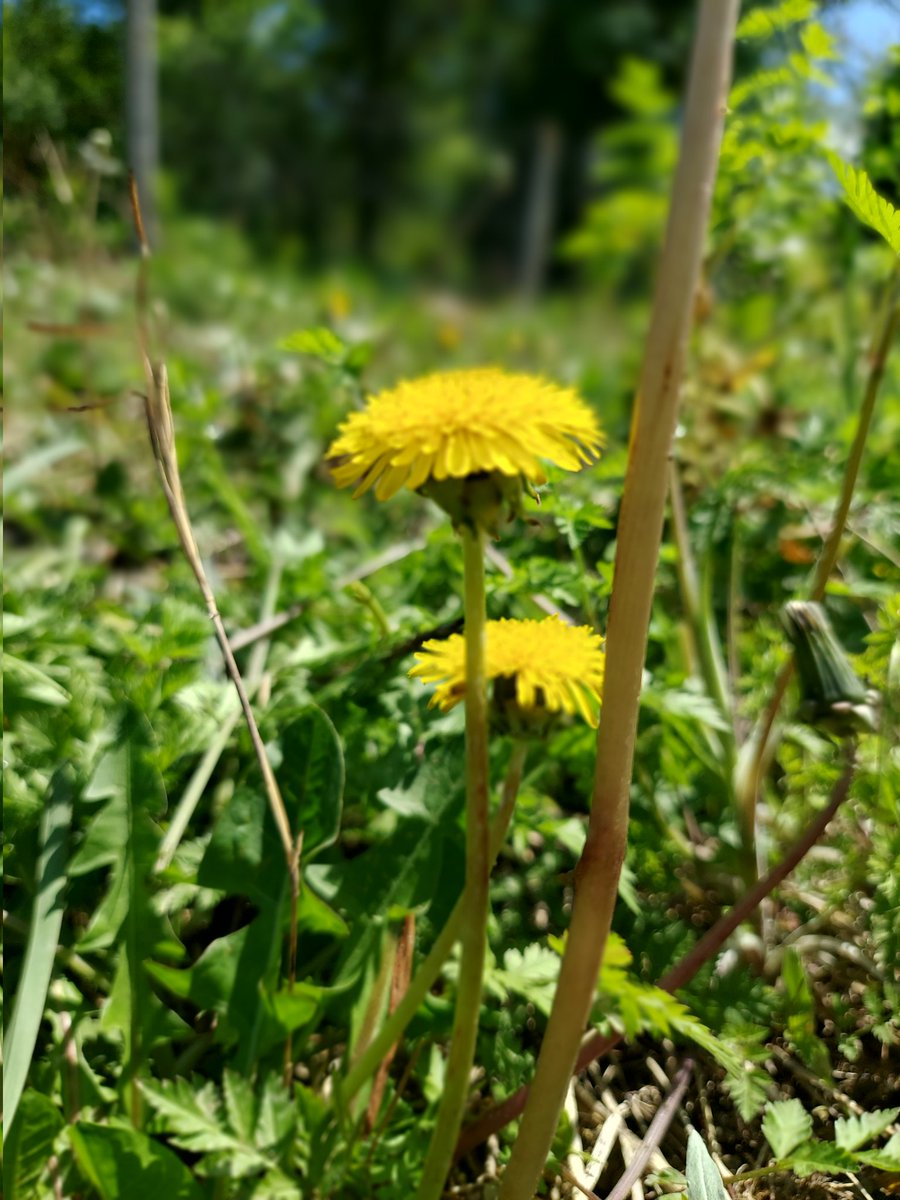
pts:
[460, 423]
[555, 667]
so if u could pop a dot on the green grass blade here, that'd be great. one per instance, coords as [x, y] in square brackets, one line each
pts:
[43, 936]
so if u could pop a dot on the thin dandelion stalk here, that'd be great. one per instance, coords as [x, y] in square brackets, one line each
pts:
[474, 933]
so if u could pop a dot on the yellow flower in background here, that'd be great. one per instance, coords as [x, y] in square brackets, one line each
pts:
[476, 421]
[555, 667]
[338, 304]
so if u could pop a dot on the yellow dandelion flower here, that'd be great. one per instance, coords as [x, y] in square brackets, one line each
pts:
[475, 421]
[338, 304]
[555, 667]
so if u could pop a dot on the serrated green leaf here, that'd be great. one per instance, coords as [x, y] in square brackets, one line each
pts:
[191, 1113]
[274, 1185]
[234, 854]
[852, 1132]
[801, 1016]
[645, 1008]
[818, 42]
[873, 210]
[748, 1089]
[615, 955]
[531, 973]
[195, 1122]
[785, 1126]
[746, 89]
[276, 1122]
[885, 1158]
[703, 1178]
[317, 342]
[240, 1104]
[824, 1157]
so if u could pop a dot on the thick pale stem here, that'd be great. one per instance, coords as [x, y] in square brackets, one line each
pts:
[474, 933]
[430, 968]
[640, 530]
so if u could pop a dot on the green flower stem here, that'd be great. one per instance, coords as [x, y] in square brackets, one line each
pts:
[637, 553]
[478, 864]
[430, 968]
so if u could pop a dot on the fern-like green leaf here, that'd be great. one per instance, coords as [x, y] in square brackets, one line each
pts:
[275, 1186]
[531, 973]
[763, 22]
[317, 343]
[786, 1126]
[823, 1157]
[748, 1090]
[887, 1158]
[757, 84]
[818, 42]
[232, 1142]
[638, 1007]
[873, 210]
[240, 1104]
[852, 1132]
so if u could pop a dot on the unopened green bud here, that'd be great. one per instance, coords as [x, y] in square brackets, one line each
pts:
[832, 695]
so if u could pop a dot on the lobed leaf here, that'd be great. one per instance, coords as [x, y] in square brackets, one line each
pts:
[873, 210]
[852, 1132]
[825, 1157]
[785, 1126]
[317, 342]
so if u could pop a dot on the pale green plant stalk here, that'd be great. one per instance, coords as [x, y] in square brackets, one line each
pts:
[697, 609]
[161, 428]
[430, 968]
[639, 534]
[757, 752]
[203, 773]
[474, 934]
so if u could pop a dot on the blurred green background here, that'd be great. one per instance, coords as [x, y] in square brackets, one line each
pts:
[466, 144]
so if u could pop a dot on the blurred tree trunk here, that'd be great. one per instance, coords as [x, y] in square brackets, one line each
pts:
[142, 105]
[540, 206]
[374, 121]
